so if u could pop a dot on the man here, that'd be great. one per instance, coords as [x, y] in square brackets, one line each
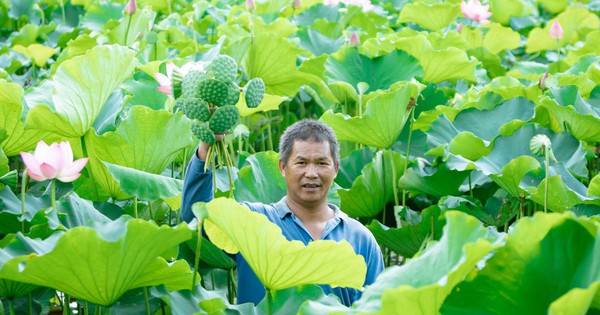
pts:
[309, 161]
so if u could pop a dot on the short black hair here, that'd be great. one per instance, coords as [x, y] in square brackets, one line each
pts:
[308, 130]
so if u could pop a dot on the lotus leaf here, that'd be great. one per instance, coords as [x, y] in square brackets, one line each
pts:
[583, 126]
[99, 264]
[436, 181]
[533, 262]
[148, 140]
[17, 139]
[372, 190]
[352, 165]
[155, 186]
[269, 102]
[505, 9]
[131, 26]
[382, 122]
[432, 16]
[277, 262]
[348, 65]
[36, 52]
[261, 180]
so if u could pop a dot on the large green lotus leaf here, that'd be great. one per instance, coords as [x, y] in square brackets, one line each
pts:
[277, 262]
[439, 181]
[578, 301]
[583, 126]
[576, 23]
[565, 191]
[591, 46]
[100, 264]
[352, 165]
[317, 43]
[290, 300]
[13, 289]
[372, 190]
[482, 125]
[408, 240]
[82, 86]
[261, 180]
[566, 149]
[382, 121]
[512, 173]
[131, 26]
[496, 39]
[509, 88]
[144, 185]
[348, 65]
[529, 70]
[17, 139]
[74, 211]
[555, 6]
[547, 255]
[269, 102]
[147, 140]
[505, 9]
[273, 59]
[447, 64]
[434, 16]
[594, 187]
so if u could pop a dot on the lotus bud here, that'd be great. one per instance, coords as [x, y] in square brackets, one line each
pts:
[354, 40]
[131, 7]
[556, 30]
[459, 27]
[296, 4]
[540, 144]
[250, 5]
[542, 83]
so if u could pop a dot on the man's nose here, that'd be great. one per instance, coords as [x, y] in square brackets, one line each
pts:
[311, 171]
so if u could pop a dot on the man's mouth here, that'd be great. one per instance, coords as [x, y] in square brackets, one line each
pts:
[311, 185]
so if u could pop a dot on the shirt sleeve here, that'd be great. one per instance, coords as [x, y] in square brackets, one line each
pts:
[197, 186]
[375, 264]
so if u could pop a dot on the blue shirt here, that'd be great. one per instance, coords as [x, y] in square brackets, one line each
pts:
[198, 186]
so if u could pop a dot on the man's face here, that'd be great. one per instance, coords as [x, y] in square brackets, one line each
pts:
[309, 172]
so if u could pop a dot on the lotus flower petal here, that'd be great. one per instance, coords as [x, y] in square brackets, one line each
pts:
[53, 162]
[474, 10]
[48, 171]
[162, 79]
[556, 30]
[73, 170]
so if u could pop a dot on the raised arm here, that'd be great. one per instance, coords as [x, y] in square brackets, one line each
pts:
[197, 184]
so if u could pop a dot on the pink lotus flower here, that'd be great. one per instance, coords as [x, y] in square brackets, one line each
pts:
[542, 83]
[296, 4]
[165, 80]
[53, 162]
[475, 11]
[131, 7]
[354, 40]
[250, 5]
[556, 30]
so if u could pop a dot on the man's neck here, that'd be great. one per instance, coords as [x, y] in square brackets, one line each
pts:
[310, 214]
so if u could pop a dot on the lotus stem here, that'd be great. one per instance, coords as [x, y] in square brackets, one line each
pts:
[11, 307]
[30, 303]
[184, 162]
[470, 185]
[410, 131]
[432, 237]
[547, 158]
[558, 51]
[53, 194]
[394, 181]
[107, 310]
[62, 9]
[66, 306]
[269, 131]
[2, 308]
[147, 300]
[212, 279]
[198, 249]
[150, 210]
[127, 30]
[23, 190]
[86, 308]
[269, 302]
[135, 207]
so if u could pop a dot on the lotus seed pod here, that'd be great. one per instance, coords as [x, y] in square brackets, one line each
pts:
[223, 68]
[202, 132]
[223, 119]
[540, 144]
[254, 92]
[194, 108]
[189, 85]
[234, 94]
[213, 91]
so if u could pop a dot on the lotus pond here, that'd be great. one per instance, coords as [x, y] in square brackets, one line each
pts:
[470, 144]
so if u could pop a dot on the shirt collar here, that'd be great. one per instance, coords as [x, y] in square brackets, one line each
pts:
[283, 210]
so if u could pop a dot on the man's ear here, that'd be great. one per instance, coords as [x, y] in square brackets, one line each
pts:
[281, 167]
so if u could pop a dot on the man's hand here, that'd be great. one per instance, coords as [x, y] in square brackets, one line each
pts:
[202, 151]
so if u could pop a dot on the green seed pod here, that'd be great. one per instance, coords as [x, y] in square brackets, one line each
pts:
[194, 108]
[213, 91]
[540, 144]
[223, 68]
[234, 94]
[254, 91]
[189, 85]
[223, 119]
[202, 132]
